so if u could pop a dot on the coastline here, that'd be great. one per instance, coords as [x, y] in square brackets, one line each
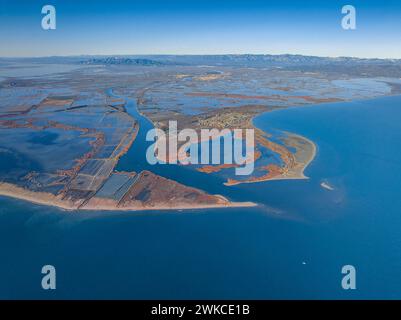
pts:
[295, 165]
[148, 191]
[48, 199]
[294, 176]
[294, 168]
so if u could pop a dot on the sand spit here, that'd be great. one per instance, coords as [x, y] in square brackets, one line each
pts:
[294, 163]
[131, 201]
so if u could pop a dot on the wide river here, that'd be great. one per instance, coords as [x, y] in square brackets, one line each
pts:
[292, 246]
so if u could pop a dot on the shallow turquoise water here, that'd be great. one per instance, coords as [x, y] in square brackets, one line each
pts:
[292, 246]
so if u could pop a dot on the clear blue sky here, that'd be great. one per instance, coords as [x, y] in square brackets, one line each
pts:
[201, 27]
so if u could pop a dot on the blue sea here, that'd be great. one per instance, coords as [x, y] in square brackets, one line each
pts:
[292, 246]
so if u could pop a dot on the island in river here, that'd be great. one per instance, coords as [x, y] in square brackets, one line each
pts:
[63, 135]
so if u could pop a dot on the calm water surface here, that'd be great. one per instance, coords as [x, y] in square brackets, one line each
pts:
[292, 246]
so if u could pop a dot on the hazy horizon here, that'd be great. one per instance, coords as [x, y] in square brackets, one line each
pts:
[201, 28]
[190, 54]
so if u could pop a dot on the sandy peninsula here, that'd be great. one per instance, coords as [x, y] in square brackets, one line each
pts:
[177, 197]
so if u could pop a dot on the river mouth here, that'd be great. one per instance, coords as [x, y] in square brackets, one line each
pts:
[135, 160]
[305, 199]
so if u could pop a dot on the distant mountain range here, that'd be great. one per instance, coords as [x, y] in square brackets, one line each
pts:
[357, 67]
[122, 61]
[350, 66]
[251, 60]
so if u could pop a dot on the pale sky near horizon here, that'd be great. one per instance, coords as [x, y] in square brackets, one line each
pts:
[201, 27]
